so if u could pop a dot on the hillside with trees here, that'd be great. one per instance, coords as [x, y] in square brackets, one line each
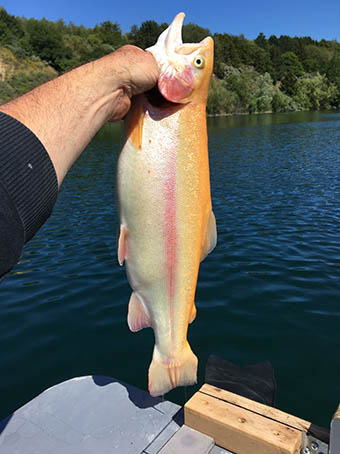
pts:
[274, 74]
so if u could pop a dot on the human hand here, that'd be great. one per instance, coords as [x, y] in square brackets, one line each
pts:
[137, 71]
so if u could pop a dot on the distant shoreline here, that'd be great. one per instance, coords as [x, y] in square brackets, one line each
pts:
[268, 112]
[242, 113]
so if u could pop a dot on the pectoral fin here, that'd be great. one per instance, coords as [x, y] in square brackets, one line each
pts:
[122, 245]
[210, 236]
[137, 315]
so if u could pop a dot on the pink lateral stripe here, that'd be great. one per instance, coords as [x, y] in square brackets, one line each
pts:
[170, 228]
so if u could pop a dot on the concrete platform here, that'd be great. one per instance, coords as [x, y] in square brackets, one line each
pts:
[100, 414]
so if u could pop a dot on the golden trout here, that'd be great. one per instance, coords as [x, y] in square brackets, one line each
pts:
[166, 221]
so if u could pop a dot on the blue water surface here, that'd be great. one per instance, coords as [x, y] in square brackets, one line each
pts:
[269, 291]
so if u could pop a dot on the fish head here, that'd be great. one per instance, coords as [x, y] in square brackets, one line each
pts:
[185, 69]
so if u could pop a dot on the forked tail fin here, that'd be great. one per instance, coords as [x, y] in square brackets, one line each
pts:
[166, 374]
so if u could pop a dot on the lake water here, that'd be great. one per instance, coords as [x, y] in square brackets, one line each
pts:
[269, 291]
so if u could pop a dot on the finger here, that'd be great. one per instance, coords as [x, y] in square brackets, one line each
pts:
[148, 73]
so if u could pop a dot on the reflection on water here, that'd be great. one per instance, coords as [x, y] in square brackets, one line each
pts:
[269, 291]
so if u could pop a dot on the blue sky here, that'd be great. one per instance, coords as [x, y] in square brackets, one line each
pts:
[316, 18]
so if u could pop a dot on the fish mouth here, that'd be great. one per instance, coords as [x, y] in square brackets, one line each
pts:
[174, 82]
[173, 38]
[164, 51]
[177, 74]
[158, 101]
[169, 38]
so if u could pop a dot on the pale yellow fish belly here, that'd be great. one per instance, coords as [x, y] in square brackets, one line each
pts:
[142, 200]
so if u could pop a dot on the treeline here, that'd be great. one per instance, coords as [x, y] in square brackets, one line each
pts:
[274, 74]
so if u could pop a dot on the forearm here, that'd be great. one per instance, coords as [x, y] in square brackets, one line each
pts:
[66, 112]
[59, 117]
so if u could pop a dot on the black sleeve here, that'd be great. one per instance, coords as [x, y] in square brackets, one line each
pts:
[28, 189]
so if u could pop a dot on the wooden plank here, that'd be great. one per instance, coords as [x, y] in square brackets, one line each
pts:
[337, 413]
[238, 429]
[273, 413]
[256, 407]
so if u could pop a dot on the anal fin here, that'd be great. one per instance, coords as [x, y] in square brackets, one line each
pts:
[193, 313]
[137, 315]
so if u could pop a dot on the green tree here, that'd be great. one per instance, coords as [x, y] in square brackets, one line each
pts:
[225, 53]
[275, 58]
[147, 34]
[290, 64]
[289, 83]
[260, 59]
[220, 99]
[11, 28]
[315, 92]
[264, 93]
[47, 43]
[333, 70]
[110, 33]
[80, 48]
[261, 41]
[7, 92]
[282, 102]
[193, 33]
[316, 58]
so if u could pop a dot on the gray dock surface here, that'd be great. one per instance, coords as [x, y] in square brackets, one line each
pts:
[100, 414]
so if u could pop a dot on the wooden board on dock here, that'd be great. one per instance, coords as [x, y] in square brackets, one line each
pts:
[242, 425]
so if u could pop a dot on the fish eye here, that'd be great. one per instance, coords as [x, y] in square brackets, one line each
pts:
[199, 62]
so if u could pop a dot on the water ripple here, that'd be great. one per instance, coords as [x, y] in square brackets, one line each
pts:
[270, 290]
